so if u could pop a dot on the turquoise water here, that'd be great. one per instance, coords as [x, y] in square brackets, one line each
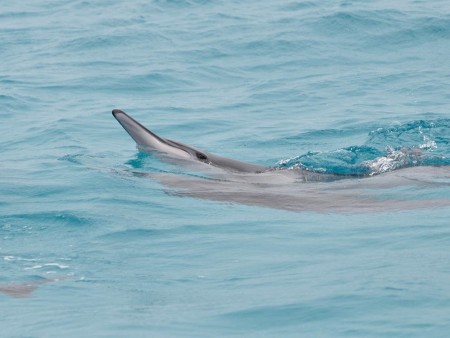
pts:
[328, 86]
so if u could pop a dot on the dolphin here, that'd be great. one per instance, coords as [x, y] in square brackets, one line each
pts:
[150, 142]
[256, 185]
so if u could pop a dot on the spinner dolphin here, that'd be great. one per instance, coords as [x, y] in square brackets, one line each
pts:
[149, 141]
[251, 184]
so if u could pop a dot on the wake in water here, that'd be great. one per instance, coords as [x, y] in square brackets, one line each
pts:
[418, 143]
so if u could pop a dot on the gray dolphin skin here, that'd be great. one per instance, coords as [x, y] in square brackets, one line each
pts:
[149, 141]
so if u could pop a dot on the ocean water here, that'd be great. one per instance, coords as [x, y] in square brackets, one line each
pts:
[89, 248]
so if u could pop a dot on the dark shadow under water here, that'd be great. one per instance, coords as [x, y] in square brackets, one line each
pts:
[25, 289]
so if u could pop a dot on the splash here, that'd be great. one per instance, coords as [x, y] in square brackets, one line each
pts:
[417, 143]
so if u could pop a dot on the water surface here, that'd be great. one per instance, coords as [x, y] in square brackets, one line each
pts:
[329, 86]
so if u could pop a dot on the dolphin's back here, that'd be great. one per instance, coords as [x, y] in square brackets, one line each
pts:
[149, 141]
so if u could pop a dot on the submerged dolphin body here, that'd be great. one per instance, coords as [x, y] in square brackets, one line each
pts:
[23, 290]
[149, 141]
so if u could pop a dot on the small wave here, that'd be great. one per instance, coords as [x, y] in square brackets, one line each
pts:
[396, 159]
[410, 144]
[48, 267]
[423, 30]
[51, 217]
